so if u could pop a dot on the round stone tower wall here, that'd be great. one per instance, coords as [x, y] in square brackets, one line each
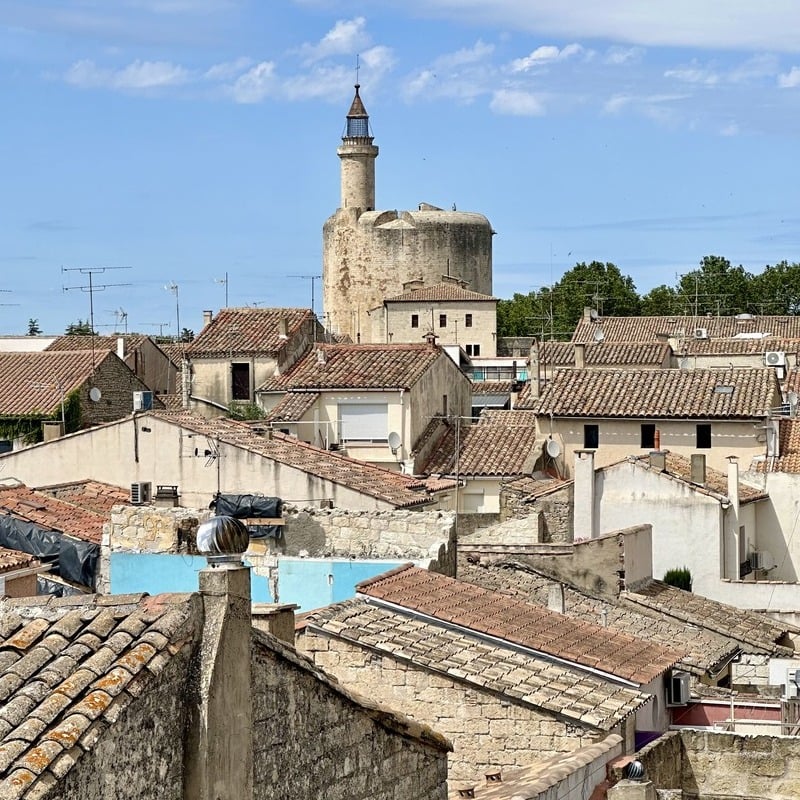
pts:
[358, 176]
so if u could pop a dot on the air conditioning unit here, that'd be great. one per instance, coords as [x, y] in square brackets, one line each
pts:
[701, 333]
[761, 559]
[141, 493]
[775, 358]
[792, 680]
[678, 689]
[142, 401]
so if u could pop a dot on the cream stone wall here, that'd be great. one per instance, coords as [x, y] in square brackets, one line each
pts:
[369, 256]
[620, 438]
[487, 730]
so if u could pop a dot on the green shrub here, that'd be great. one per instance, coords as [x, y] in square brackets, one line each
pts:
[680, 577]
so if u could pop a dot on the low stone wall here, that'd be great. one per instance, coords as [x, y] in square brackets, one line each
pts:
[752, 671]
[488, 730]
[554, 512]
[312, 739]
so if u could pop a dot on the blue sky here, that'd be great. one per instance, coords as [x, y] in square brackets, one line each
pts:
[185, 139]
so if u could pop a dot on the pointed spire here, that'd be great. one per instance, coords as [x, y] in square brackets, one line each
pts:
[357, 119]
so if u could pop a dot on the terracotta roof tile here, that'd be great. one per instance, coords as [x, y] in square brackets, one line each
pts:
[250, 331]
[75, 709]
[604, 354]
[133, 341]
[90, 495]
[440, 292]
[175, 351]
[11, 560]
[466, 658]
[401, 491]
[292, 406]
[735, 347]
[357, 366]
[492, 387]
[29, 382]
[647, 329]
[515, 621]
[659, 393]
[788, 447]
[500, 443]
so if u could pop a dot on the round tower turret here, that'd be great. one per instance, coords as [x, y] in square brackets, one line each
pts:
[357, 154]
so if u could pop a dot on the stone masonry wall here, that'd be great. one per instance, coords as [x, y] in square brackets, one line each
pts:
[140, 756]
[487, 730]
[751, 670]
[553, 512]
[311, 741]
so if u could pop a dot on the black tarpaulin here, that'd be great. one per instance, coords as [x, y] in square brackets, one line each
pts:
[251, 506]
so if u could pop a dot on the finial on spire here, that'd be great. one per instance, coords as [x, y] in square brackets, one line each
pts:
[358, 67]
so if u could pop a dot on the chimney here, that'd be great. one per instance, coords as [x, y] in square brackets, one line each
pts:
[733, 483]
[534, 369]
[208, 316]
[584, 518]
[657, 439]
[580, 355]
[658, 460]
[275, 618]
[698, 469]
[430, 339]
[283, 330]
[555, 598]
[121, 347]
[220, 761]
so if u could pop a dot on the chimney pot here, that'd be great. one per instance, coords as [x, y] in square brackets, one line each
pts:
[121, 347]
[580, 355]
[208, 316]
[698, 469]
[494, 777]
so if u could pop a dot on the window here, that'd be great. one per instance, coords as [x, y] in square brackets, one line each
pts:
[648, 436]
[704, 436]
[591, 437]
[240, 381]
[415, 320]
[363, 422]
[444, 404]
[468, 321]
[442, 320]
[473, 349]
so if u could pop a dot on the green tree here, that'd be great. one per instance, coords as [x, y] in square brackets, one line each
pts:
[187, 335]
[776, 290]
[33, 327]
[79, 328]
[661, 301]
[716, 287]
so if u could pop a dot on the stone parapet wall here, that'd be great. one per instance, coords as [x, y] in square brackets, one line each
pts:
[751, 671]
[488, 730]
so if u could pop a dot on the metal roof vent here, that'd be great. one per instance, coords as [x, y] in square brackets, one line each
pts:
[222, 540]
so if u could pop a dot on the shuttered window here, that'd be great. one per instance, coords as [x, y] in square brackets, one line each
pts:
[363, 422]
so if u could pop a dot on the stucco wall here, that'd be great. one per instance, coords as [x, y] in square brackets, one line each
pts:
[487, 730]
[140, 756]
[310, 741]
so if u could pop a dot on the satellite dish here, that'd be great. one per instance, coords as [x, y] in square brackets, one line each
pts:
[598, 335]
[553, 448]
[394, 441]
[95, 394]
[593, 315]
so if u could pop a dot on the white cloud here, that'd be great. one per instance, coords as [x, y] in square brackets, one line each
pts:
[346, 37]
[462, 75]
[467, 55]
[546, 54]
[255, 84]
[694, 74]
[616, 103]
[139, 75]
[227, 70]
[623, 55]
[790, 79]
[516, 102]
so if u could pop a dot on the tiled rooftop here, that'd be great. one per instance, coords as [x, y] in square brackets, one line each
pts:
[789, 449]
[249, 331]
[133, 341]
[69, 667]
[357, 366]
[513, 620]
[401, 491]
[11, 560]
[603, 354]
[292, 406]
[647, 329]
[175, 351]
[704, 650]
[89, 495]
[58, 515]
[680, 468]
[742, 393]
[571, 693]
[438, 293]
[29, 382]
[500, 443]
[757, 631]
[492, 387]
[735, 347]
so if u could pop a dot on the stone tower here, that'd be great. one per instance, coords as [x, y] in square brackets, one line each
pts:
[368, 255]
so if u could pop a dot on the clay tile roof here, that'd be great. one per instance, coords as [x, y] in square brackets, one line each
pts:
[508, 618]
[604, 354]
[647, 329]
[61, 687]
[11, 560]
[500, 443]
[741, 393]
[292, 406]
[133, 341]
[492, 387]
[29, 382]
[440, 292]
[752, 629]
[47, 511]
[249, 331]
[358, 366]
[788, 447]
[175, 351]
[587, 699]
[680, 468]
[734, 347]
[401, 491]
[90, 495]
[705, 650]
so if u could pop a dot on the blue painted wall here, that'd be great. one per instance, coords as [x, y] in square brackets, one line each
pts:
[309, 582]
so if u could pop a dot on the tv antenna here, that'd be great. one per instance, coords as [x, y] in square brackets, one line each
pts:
[159, 325]
[225, 281]
[120, 318]
[92, 287]
[311, 278]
